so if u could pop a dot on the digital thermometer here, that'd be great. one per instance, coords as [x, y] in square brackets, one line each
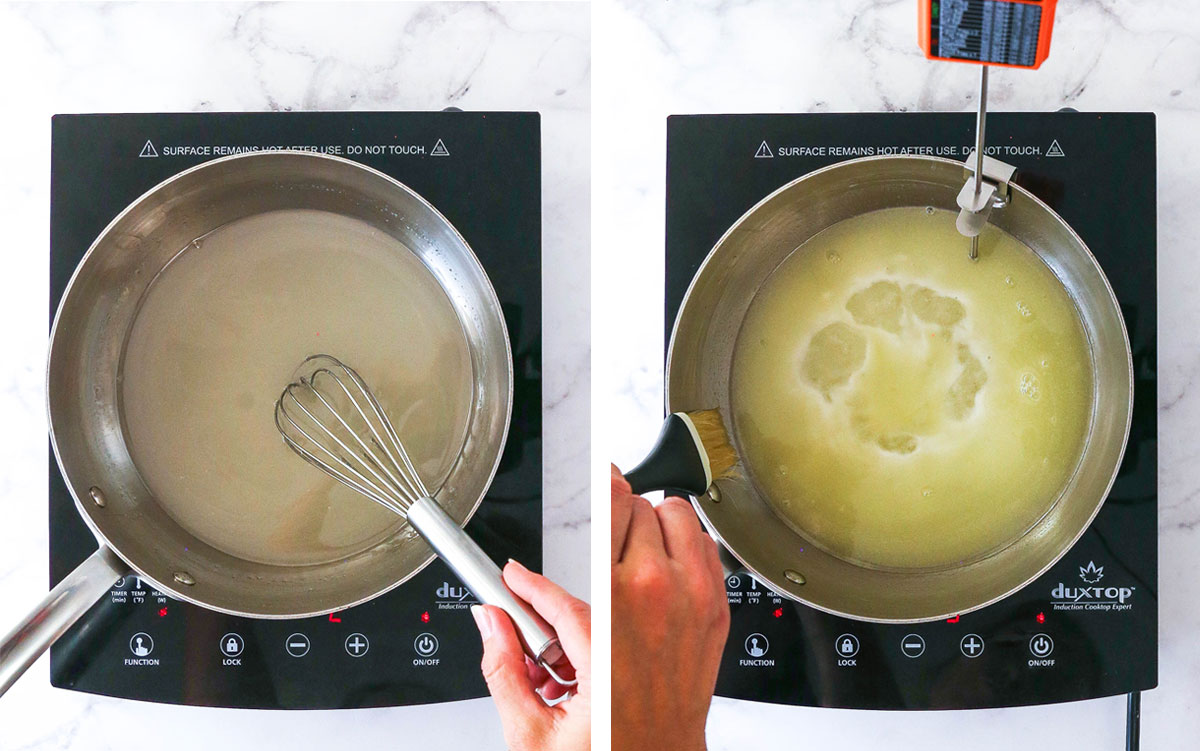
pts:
[1013, 33]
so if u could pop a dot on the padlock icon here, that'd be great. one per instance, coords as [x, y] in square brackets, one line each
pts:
[847, 646]
[231, 645]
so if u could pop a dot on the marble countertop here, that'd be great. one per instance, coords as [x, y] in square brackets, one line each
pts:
[654, 59]
[244, 57]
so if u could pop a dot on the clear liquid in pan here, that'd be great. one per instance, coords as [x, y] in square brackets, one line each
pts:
[219, 334]
[903, 406]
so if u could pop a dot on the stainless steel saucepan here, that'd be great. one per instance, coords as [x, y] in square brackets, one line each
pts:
[698, 378]
[90, 329]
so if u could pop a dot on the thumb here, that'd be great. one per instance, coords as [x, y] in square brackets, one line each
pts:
[504, 669]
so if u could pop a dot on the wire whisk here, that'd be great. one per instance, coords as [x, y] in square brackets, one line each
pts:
[331, 419]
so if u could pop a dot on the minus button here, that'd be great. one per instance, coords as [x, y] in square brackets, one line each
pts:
[912, 645]
[297, 645]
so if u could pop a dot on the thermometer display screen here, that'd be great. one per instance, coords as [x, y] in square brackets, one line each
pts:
[997, 32]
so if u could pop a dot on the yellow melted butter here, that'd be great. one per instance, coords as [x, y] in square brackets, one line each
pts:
[903, 406]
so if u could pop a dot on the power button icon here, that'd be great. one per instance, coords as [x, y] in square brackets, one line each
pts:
[426, 645]
[1041, 645]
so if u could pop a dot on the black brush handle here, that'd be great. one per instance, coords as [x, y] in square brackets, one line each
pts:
[675, 462]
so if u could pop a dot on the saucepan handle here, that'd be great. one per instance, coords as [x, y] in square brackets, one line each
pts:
[485, 580]
[64, 605]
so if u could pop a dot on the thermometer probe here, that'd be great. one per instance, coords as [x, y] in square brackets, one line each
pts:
[1011, 33]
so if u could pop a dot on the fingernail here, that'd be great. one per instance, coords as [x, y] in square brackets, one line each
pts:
[517, 564]
[482, 621]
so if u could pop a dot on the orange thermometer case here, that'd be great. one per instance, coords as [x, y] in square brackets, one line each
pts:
[1011, 33]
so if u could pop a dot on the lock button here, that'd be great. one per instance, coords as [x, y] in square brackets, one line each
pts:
[846, 645]
[232, 645]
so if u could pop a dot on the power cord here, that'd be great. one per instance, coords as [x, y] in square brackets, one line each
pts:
[1133, 721]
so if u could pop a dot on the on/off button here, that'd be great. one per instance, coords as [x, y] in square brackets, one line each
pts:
[426, 645]
[1041, 645]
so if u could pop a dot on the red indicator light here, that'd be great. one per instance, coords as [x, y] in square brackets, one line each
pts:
[162, 612]
[952, 620]
[425, 617]
[334, 619]
[1041, 617]
[778, 612]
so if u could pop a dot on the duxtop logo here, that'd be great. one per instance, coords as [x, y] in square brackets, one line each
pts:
[1091, 574]
[450, 597]
[1064, 597]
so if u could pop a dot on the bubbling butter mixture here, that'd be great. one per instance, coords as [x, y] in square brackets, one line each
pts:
[218, 337]
[903, 406]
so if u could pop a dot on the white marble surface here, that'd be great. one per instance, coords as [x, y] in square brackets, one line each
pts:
[243, 57]
[653, 59]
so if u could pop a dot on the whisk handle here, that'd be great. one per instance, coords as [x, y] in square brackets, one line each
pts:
[483, 577]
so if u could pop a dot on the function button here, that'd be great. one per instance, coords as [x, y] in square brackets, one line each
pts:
[426, 645]
[297, 645]
[971, 645]
[756, 645]
[357, 645]
[846, 645]
[141, 644]
[912, 645]
[1041, 645]
[733, 583]
[232, 645]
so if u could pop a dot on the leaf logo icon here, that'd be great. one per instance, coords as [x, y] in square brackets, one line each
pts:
[1091, 573]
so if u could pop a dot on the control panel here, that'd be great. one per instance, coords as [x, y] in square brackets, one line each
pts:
[416, 644]
[1050, 642]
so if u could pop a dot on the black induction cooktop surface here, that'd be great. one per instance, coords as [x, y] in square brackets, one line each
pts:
[418, 643]
[1087, 627]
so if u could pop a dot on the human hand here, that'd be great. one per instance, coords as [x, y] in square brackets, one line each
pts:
[514, 680]
[670, 620]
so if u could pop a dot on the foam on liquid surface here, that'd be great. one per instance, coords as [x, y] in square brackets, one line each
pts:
[904, 406]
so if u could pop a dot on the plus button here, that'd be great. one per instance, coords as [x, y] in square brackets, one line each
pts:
[357, 645]
[971, 645]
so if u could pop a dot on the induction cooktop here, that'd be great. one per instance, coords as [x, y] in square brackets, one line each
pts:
[417, 643]
[1087, 627]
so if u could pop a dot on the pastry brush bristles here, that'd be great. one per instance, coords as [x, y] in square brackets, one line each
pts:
[710, 428]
